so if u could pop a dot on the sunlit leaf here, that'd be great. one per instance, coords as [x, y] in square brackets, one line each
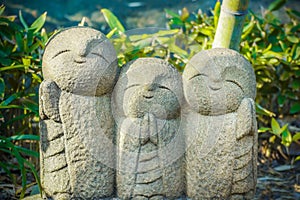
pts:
[111, 33]
[112, 20]
[263, 111]
[184, 14]
[38, 23]
[275, 127]
[286, 138]
[217, 11]
[248, 29]
[293, 39]
[297, 158]
[2, 8]
[296, 137]
[263, 129]
[272, 139]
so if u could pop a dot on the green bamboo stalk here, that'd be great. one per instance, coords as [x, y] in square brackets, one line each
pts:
[230, 25]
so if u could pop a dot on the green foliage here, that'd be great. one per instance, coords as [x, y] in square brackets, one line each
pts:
[273, 48]
[187, 34]
[21, 49]
[276, 5]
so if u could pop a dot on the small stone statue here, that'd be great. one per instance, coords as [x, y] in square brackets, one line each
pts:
[220, 126]
[147, 108]
[77, 128]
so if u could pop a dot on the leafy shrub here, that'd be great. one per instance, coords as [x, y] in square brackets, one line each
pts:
[20, 66]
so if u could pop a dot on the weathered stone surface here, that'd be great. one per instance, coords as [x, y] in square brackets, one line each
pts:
[77, 127]
[147, 103]
[220, 126]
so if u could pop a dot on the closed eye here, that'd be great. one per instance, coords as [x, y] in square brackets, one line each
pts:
[197, 76]
[101, 56]
[236, 83]
[61, 52]
[163, 87]
[133, 85]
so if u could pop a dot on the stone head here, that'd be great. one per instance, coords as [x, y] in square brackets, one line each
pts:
[148, 85]
[81, 60]
[215, 81]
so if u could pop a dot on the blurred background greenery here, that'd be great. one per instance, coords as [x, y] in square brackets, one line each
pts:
[270, 41]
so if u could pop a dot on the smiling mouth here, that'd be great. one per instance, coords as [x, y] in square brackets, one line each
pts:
[80, 61]
[147, 97]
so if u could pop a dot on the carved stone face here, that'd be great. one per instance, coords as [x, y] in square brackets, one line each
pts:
[216, 81]
[81, 61]
[149, 85]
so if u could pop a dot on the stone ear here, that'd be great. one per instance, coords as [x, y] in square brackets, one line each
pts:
[49, 100]
[245, 118]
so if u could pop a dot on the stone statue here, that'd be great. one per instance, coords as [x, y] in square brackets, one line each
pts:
[220, 126]
[77, 127]
[147, 107]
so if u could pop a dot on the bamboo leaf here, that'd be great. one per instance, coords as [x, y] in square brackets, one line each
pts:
[2, 8]
[297, 158]
[112, 20]
[111, 33]
[27, 151]
[263, 129]
[23, 21]
[38, 23]
[20, 117]
[248, 29]
[12, 67]
[217, 11]
[10, 99]
[31, 105]
[263, 111]
[24, 137]
[276, 5]
[44, 36]
[35, 174]
[172, 14]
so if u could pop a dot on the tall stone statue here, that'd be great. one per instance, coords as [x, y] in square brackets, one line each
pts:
[220, 126]
[147, 107]
[77, 128]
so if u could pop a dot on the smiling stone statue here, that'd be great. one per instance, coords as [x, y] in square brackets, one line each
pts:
[147, 108]
[80, 71]
[220, 126]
